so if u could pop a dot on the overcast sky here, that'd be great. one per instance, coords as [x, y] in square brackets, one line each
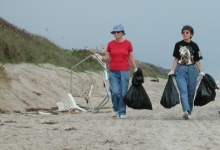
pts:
[153, 26]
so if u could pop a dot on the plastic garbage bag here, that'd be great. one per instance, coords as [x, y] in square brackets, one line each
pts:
[136, 96]
[206, 91]
[170, 96]
[138, 78]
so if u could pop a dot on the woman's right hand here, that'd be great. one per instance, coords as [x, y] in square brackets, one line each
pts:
[96, 55]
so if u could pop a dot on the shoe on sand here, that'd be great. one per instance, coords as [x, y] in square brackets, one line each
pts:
[123, 117]
[114, 114]
[185, 115]
[190, 116]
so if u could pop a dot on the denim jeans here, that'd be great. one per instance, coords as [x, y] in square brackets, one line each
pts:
[186, 78]
[119, 81]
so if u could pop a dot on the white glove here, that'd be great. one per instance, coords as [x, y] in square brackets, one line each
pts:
[135, 70]
[201, 73]
[170, 73]
[96, 55]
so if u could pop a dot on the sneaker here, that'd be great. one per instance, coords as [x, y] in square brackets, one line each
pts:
[114, 114]
[185, 115]
[190, 116]
[123, 117]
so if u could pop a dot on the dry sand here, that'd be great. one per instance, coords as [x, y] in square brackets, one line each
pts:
[30, 87]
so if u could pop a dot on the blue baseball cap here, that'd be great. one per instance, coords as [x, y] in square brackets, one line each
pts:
[118, 27]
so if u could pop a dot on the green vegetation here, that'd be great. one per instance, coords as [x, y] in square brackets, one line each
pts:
[18, 45]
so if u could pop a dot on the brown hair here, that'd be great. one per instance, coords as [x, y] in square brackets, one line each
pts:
[187, 27]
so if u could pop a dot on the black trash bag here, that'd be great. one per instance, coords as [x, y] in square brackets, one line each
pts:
[170, 96]
[203, 94]
[206, 91]
[136, 96]
[138, 78]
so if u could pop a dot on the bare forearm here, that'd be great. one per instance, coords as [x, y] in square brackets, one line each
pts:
[133, 62]
[198, 64]
[174, 64]
[106, 57]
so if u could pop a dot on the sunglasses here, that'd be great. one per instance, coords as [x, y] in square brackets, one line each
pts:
[114, 32]
[187, 32]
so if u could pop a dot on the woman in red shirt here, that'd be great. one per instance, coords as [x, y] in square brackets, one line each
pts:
[119, 53]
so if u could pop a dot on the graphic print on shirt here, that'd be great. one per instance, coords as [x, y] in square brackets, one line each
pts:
[186, 55]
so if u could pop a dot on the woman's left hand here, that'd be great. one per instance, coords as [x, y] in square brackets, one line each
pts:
[201, 73]
[135, 70]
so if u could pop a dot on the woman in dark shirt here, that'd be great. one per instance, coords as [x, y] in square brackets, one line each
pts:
[185, 67]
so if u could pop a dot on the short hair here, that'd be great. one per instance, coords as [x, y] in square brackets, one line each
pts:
[187, 27]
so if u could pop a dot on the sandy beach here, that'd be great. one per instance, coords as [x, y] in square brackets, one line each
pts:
[29, 88]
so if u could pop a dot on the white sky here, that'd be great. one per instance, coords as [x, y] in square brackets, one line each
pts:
[153, 26]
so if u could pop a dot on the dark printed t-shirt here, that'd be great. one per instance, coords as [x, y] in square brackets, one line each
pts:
[187, 53]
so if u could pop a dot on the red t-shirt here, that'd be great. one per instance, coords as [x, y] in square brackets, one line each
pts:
[119, 53]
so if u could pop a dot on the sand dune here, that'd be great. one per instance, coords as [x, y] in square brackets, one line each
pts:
[30, 87]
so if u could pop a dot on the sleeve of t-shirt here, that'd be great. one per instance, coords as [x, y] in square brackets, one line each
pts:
[198, 54]
[176, 51]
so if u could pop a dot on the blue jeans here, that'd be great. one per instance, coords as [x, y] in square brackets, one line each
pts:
[119, 81]
[186, 78]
